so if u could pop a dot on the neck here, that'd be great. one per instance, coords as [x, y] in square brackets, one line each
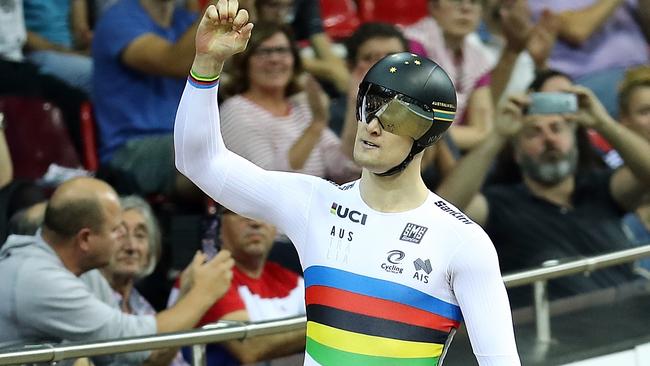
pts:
[559, 194]
[160, 11]
[454, 43]
[396, 193]
[64, 249]
[271, 99]
[252, 267]
[121, 284]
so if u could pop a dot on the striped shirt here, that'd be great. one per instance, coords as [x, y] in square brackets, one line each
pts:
[264, 139]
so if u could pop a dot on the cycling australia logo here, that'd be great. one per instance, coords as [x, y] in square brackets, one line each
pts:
[344, 212]
[413, 233]
[422, 270]
[394, 258]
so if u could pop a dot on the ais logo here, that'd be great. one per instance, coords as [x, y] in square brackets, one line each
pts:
[343, 212]
[424, 266]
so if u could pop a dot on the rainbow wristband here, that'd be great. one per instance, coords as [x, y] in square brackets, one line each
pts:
[202, 82]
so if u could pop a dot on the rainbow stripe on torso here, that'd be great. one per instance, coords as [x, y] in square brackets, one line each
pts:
[359, 320]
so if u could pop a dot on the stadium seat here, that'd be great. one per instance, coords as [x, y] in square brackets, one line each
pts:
[401, 12]
[340, 18]
[89, 137]
[37, 136]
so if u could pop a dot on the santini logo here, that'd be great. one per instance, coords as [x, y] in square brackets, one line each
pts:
[462, 218]
[343, 212]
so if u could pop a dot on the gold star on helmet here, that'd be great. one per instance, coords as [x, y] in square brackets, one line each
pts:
[417, 62]
[393, 70]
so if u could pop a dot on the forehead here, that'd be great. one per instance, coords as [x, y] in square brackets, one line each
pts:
[640, 95]
[384, 45]
[541, 121]
[555, 84]
[277, 38]
[133, 217]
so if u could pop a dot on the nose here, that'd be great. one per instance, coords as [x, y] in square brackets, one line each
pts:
[374, 127]
[551, 139]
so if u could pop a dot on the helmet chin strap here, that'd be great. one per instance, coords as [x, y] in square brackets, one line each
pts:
[415, 149]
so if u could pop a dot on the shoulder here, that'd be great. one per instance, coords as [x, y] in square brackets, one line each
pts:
[237, 108]
[126, 11]
[234, 102]
[426, 24]
[456, 227]
[183, 17]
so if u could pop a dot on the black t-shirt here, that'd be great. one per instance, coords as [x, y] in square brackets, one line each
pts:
[307, 19]
[527, 230]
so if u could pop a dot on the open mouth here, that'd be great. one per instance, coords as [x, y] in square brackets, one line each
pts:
[369, 144]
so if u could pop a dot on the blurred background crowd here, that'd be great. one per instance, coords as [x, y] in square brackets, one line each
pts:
[90, 87]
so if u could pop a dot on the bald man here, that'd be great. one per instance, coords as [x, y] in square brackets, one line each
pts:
[44, 301]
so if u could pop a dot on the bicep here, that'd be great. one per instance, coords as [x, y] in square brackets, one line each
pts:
[150, 54]
[626, 189]
[481, 294]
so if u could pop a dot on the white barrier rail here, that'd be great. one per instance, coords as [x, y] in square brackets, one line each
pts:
[224, 331]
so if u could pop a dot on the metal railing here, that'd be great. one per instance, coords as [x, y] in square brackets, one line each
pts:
[224, 331]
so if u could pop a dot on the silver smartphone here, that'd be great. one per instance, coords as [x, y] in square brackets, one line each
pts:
[552, 103]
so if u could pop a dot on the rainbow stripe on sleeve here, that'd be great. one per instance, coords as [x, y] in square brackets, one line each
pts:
[358, 320]
[202, 82]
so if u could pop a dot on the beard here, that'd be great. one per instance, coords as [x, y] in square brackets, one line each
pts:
[551, 168]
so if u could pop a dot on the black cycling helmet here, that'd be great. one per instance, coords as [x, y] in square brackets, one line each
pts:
[411, 96]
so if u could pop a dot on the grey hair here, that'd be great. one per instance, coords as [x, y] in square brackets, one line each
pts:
[134, 202]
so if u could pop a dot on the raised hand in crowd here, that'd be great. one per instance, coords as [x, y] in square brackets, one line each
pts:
[542, 38]
[516, 24]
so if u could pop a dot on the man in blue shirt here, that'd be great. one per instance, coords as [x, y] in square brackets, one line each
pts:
[142, 50]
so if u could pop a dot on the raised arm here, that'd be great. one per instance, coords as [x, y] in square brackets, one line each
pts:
[579, 25]
[633, 179]
[275, 197]
[462, 186]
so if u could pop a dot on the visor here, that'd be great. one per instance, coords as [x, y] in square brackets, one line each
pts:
[398, 113]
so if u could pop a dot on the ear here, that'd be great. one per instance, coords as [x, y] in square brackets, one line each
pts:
[83, 239]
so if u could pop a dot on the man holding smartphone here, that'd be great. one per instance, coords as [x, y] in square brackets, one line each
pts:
[557, 210]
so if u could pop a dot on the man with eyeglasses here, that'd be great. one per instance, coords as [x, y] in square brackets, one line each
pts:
[391, 269]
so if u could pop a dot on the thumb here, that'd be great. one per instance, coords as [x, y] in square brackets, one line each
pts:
[198, 260]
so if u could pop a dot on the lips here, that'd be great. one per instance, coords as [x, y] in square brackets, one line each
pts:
[369, 144]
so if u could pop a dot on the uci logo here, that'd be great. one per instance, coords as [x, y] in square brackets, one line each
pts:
[343, 212]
